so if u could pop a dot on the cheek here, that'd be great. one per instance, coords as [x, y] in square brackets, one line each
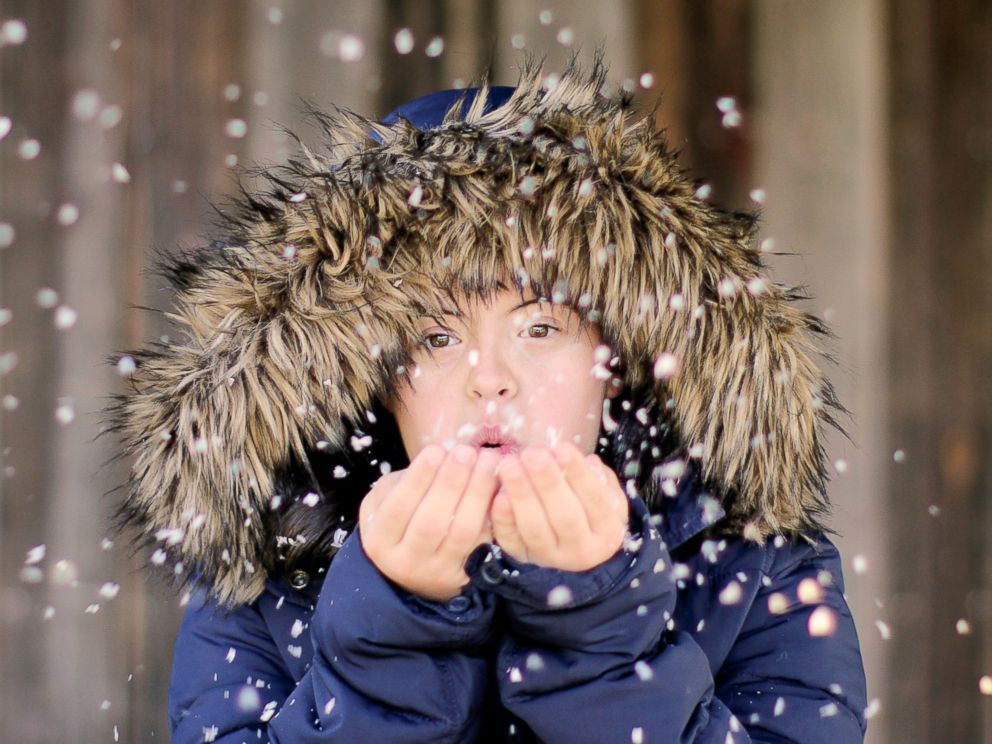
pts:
[420, 408]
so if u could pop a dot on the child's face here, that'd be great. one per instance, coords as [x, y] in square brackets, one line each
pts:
[531, 370]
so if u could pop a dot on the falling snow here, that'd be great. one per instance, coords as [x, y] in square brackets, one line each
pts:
[350, 48]
[86, 104]
[810, 591]
[860, 564]
[14, 32]
[665, 366]
[64, 573]
[90, 108]
[434, 47]
[566, 36]
[560, 596]
[777, 603]
[119, 173]
[68, 214]
[109, 590]
[822, 622]
[403, 40]
[534, 662]
[731, 115]
[65, 414]
[236, 128]
[29, 149]
[731, 594]
[65, 317]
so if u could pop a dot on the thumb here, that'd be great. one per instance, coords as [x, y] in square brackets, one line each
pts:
[597, 467]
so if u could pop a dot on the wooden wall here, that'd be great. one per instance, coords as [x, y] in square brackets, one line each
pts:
[867, 124]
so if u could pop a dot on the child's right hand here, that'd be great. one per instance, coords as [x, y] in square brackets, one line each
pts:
[418, 525]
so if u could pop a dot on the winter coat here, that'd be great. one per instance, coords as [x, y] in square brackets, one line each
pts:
[256, 435]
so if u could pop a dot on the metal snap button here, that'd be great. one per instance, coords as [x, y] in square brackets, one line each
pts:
[492, 572]
[459, 603]
[299, 579]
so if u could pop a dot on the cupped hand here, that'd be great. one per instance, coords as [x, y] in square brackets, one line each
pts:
[559, 509]
[418, 525]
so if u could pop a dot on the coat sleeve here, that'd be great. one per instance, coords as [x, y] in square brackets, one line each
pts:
[387, 666]
[795, 672]
[589, 653]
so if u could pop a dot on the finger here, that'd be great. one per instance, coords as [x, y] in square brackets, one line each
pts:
[528, 512]
[429, 524]
[470, 516]
[505, 531]
[599, 466]
[619, 503]
[565, 513]
[602, 497]
[590, 483]
[486, 533]
[371, 503]
[399, 505]
[611, 479]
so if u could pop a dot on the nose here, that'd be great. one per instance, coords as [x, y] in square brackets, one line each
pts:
[490, 376]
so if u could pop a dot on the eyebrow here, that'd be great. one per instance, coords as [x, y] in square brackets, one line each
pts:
[525, 303]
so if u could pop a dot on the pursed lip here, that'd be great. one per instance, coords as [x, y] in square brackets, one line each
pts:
[504, 449]
[494, 435]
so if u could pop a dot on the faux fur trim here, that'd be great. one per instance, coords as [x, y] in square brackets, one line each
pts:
[295, 323]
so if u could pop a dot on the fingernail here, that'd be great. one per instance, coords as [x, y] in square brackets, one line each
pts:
[563, 452]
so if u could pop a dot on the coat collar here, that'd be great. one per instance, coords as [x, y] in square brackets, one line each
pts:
[692, 510]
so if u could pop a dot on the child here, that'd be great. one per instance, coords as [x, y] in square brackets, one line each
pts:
[487, 428]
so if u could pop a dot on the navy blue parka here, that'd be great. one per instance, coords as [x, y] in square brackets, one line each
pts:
[722, 618]
[679, 638]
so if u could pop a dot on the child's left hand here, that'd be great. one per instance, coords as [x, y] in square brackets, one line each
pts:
[558, 510]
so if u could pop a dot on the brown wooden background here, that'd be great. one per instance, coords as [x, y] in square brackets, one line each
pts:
[867, 123]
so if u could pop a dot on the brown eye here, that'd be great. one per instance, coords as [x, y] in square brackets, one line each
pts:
[547, 330]
[429, 340]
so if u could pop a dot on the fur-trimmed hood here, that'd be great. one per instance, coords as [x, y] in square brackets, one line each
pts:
[249, 435]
